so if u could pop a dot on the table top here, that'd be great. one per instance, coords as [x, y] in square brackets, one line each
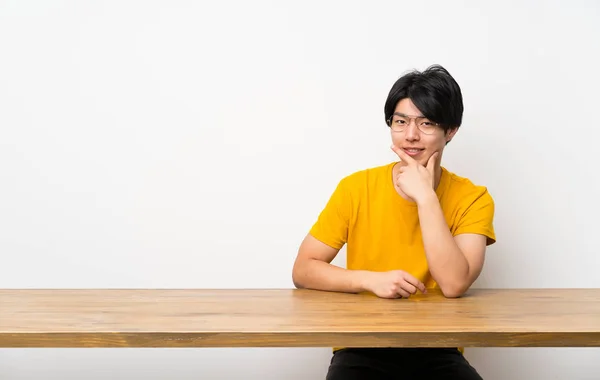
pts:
[297, 318]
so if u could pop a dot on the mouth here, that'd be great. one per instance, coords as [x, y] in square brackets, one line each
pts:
[412, 151]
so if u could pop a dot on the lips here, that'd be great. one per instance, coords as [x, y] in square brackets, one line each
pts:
[412, 151]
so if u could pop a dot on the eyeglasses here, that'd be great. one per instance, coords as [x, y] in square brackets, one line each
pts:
[399, 122]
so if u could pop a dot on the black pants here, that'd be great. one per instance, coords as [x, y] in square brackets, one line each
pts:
[400, 364]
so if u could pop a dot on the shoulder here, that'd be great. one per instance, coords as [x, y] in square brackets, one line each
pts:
[471, 208]
[357, 185]
[367, 176]
[464, 191]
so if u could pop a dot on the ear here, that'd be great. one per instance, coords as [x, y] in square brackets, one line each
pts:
[450, 134]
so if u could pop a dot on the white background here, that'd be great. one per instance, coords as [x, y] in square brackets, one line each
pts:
[183, 144]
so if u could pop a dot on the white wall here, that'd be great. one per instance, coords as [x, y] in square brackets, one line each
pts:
[187, 144]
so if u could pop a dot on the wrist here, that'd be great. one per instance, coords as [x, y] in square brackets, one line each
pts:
[427, 197]
[363, 280]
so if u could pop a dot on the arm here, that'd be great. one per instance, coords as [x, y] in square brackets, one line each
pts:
[454, 262]
[313, 269]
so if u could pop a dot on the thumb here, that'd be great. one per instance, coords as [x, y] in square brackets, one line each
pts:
[431, 162]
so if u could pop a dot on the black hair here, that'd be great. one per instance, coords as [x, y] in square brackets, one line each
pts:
[435, 93]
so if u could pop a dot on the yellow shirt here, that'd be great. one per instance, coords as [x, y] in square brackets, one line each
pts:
[381, 229]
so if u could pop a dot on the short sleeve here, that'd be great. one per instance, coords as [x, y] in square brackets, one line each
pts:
[478, 216]
[333, 222]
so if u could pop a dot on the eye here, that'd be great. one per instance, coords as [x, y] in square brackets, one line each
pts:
[400, 121]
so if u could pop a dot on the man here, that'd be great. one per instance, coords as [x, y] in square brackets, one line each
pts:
[409, 226]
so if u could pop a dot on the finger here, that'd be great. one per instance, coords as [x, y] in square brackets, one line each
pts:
[413, 281]
[392, 293]
[403, 293]
[432, 161]
[409, 287]
[402, 154]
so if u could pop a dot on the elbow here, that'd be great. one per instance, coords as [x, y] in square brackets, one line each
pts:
[297, 282]
[453, 290]
[297, 277]
[456, 285]
[452, 293]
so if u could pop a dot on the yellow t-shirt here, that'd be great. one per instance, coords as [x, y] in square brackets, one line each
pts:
[381, 229]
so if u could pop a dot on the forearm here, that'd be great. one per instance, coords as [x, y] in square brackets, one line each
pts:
[317, 274]
[447, 263]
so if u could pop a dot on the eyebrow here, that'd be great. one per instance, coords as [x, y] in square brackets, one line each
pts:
[401, 114]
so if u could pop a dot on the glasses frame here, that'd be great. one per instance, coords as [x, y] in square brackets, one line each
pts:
[411, 118]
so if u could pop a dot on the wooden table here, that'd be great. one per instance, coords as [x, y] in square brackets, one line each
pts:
[297, 318]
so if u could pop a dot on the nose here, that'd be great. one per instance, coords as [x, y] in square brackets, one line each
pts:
[412, 133]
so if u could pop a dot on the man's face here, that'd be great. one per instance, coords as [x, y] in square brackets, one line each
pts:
[419, 137]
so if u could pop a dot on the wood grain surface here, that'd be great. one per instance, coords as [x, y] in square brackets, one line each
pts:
[297, 318]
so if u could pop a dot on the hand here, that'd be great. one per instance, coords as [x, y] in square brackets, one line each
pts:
[393, 284]
[414, 179]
